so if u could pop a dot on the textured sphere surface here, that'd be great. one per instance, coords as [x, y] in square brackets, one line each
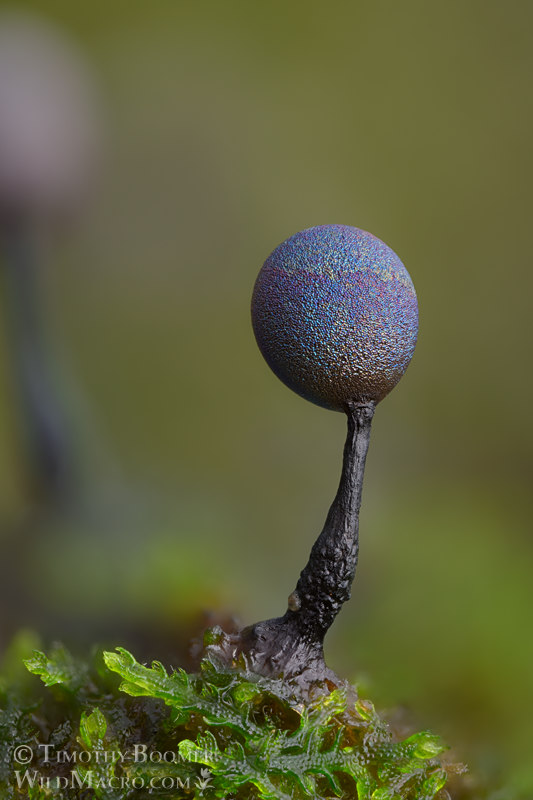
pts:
[335, 315]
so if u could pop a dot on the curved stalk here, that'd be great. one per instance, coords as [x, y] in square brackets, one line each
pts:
[292, 645]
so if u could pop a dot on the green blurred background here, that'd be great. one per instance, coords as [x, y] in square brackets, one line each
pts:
[230, 126]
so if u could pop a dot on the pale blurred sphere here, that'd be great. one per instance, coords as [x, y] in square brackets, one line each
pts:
[50, 131]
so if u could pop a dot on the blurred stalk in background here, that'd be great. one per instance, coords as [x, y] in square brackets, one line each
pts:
[49, 132]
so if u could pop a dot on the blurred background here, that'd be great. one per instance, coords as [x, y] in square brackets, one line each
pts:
[172, 472]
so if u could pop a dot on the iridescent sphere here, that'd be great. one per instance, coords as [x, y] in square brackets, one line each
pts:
[335, 315]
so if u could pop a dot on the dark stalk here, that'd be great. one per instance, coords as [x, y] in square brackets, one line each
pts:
[292, 646]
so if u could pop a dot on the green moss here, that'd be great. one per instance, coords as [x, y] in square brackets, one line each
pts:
[217, 733]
